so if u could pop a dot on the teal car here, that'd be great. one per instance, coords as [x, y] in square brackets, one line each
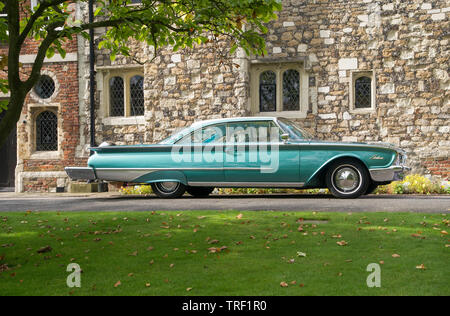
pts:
[253, 152]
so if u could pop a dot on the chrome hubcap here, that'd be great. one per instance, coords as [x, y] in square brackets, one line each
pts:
[346, 179]
[168, 186]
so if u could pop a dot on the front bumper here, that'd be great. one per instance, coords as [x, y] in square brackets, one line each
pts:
[393, 173]
[81, 173]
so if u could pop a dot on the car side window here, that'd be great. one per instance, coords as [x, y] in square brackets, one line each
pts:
[253, 132]
[213, 134]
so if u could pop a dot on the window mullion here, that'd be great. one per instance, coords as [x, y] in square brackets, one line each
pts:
[279, 90]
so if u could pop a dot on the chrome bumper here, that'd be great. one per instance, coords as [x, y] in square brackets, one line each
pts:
[393, 173]
[81, 173]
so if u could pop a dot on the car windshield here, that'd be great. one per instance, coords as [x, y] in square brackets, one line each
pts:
[295, 132]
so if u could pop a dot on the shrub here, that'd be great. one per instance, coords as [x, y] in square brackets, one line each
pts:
[414, 184]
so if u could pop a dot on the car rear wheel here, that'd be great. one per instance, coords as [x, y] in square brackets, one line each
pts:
[347, 179]
[168, 190]
[199, 192]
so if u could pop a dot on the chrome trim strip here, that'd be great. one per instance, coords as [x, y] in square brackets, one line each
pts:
[183, 169]
[131, 174]
[248, 184]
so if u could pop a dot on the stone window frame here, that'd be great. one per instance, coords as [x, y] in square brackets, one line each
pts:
[49, 100]
[354, 75]
[126, 75]
[279, 67]
[34, 110]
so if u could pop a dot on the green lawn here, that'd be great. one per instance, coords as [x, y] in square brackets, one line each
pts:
[168, 253]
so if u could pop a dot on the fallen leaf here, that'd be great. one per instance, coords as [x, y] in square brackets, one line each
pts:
[239, 216]
[395, 255]
[421, 267]
[147, 284]
[444, 232]
[171, 265]
[342, 243]
[135, 253]
[284, 284]
[130, 274]
[214, 241]
[188, 289]
[117, 284]
[45, 249]
[301, 254]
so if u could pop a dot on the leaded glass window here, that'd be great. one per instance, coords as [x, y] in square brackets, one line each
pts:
[363, 92]
[137, 95]
[291, 90]
[116, 96]
[46, 132]
[45, 87]
[268, 91]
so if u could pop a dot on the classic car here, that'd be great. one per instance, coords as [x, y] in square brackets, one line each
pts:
[252, 152]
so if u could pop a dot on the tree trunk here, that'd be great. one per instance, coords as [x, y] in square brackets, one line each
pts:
[9, 121]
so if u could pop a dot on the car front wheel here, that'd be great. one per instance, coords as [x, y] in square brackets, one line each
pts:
[347, 179]
[168, 190]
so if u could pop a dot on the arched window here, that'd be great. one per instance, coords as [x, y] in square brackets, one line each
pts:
[47, 131]
[137, 95]
[268, 91]
[291, 90]
[116, 97]
[363, 92]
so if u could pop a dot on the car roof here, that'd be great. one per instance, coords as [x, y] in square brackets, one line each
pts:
[235, 119]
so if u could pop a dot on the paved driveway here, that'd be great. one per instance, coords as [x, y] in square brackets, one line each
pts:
[115, 202]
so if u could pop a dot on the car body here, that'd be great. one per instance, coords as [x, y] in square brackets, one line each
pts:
[267, 152]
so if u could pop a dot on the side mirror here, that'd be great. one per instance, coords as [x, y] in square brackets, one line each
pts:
[285, 138]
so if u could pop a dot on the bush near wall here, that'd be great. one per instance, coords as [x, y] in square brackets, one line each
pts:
[415, 184]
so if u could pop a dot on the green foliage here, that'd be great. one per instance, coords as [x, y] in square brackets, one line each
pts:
[414, 184]
[136, 190]
[177, 23]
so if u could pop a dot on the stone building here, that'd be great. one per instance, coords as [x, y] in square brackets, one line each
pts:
[349, 70]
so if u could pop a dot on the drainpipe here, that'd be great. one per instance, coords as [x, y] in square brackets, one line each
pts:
[92, 74]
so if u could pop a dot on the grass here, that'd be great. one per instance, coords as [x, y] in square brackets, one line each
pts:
[168, 253]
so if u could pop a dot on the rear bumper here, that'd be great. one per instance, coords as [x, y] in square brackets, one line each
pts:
[81, 173]
[393, 173]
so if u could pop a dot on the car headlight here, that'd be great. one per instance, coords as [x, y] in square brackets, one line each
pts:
[401, 159]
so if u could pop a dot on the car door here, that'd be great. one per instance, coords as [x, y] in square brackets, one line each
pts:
[255, 155]
[200, 154]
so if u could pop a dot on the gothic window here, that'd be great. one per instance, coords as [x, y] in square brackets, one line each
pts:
[46, 131]
[137, 95]
[363, 92]
[126, 94]
[45, 87]
[268, 91]
[116, 96]
[291, 90]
